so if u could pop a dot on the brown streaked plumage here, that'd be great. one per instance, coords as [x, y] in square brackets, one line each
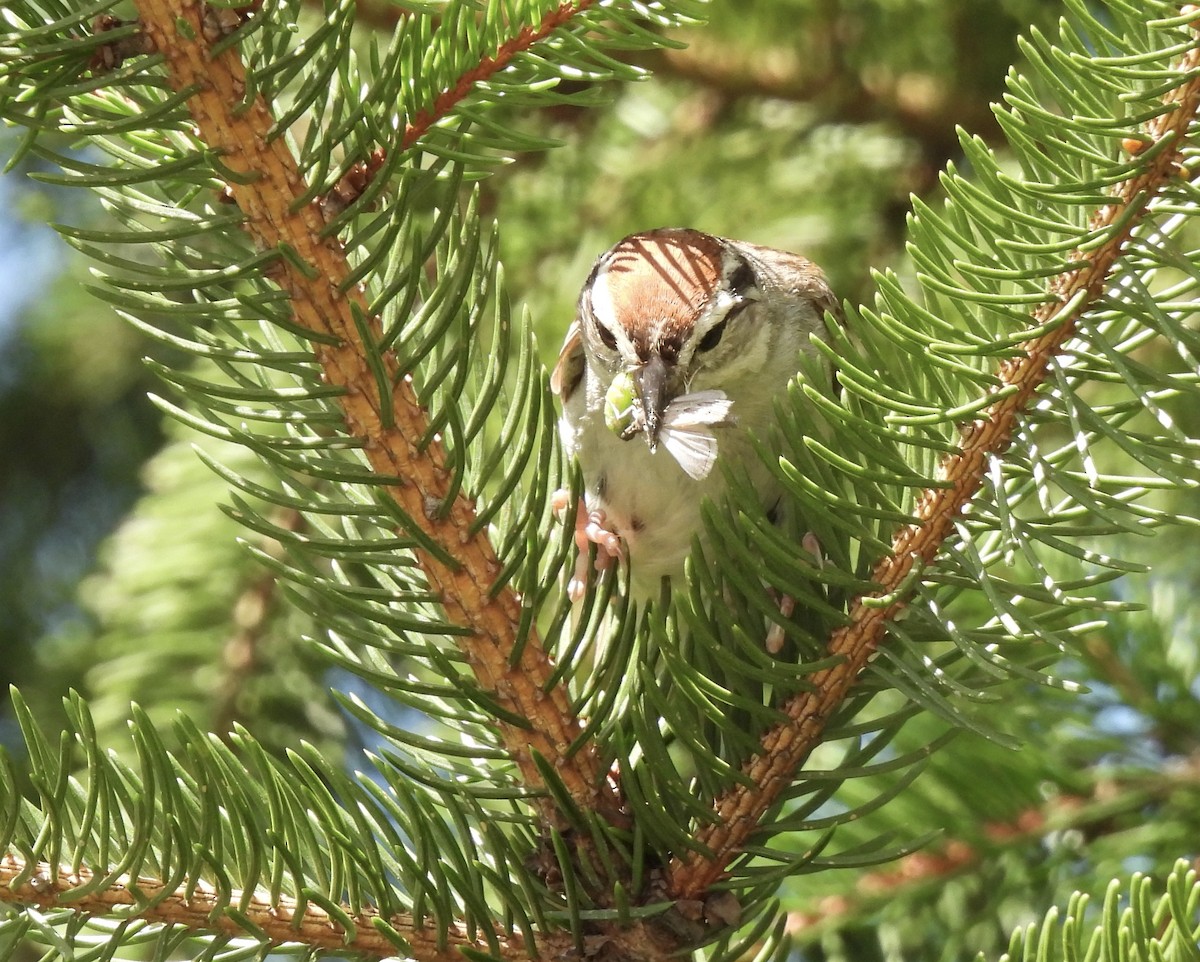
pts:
[664, 277]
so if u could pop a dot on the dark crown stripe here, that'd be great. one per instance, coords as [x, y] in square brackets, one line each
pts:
[742, 279]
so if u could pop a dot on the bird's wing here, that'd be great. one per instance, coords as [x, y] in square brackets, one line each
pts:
[568, 371]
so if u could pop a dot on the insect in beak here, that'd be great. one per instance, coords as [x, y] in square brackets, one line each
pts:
[651, 381]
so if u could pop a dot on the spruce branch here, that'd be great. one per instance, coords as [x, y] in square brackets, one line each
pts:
[1110, 807]
[267, 187]
[489, 65]
[251, 613]
[1068, 297]
[360, 176]
[277, 921]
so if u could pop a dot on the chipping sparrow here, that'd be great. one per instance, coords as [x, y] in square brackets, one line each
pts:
[685, 340]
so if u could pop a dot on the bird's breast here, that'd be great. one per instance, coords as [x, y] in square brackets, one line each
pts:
[647, 498]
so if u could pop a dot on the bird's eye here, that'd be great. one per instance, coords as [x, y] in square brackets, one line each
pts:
[607, 337]
[713, 337]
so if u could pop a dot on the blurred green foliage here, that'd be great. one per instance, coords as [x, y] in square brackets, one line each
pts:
[801, 124]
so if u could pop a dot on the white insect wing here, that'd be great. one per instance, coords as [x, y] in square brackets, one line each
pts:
[696, 451]
[703, 407]
[685, 430]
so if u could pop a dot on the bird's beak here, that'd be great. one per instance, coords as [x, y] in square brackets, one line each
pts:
[651, 380]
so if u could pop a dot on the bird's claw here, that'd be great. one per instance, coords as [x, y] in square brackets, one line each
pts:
[775, 634]
[787, 604]
[810, 544]
[589, 529]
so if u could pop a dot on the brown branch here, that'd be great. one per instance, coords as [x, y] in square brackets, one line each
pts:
[1069, 295]
[268, 194]
[923, 107]
[488, 66]
[252, 609]
[280, 923]
[1110, 807]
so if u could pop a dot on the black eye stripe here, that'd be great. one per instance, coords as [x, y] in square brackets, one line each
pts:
[607, 337]
[713, 336]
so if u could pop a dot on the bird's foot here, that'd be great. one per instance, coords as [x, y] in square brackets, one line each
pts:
[810, 544]
[775, 634]
[589, 529]
[787, 604]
